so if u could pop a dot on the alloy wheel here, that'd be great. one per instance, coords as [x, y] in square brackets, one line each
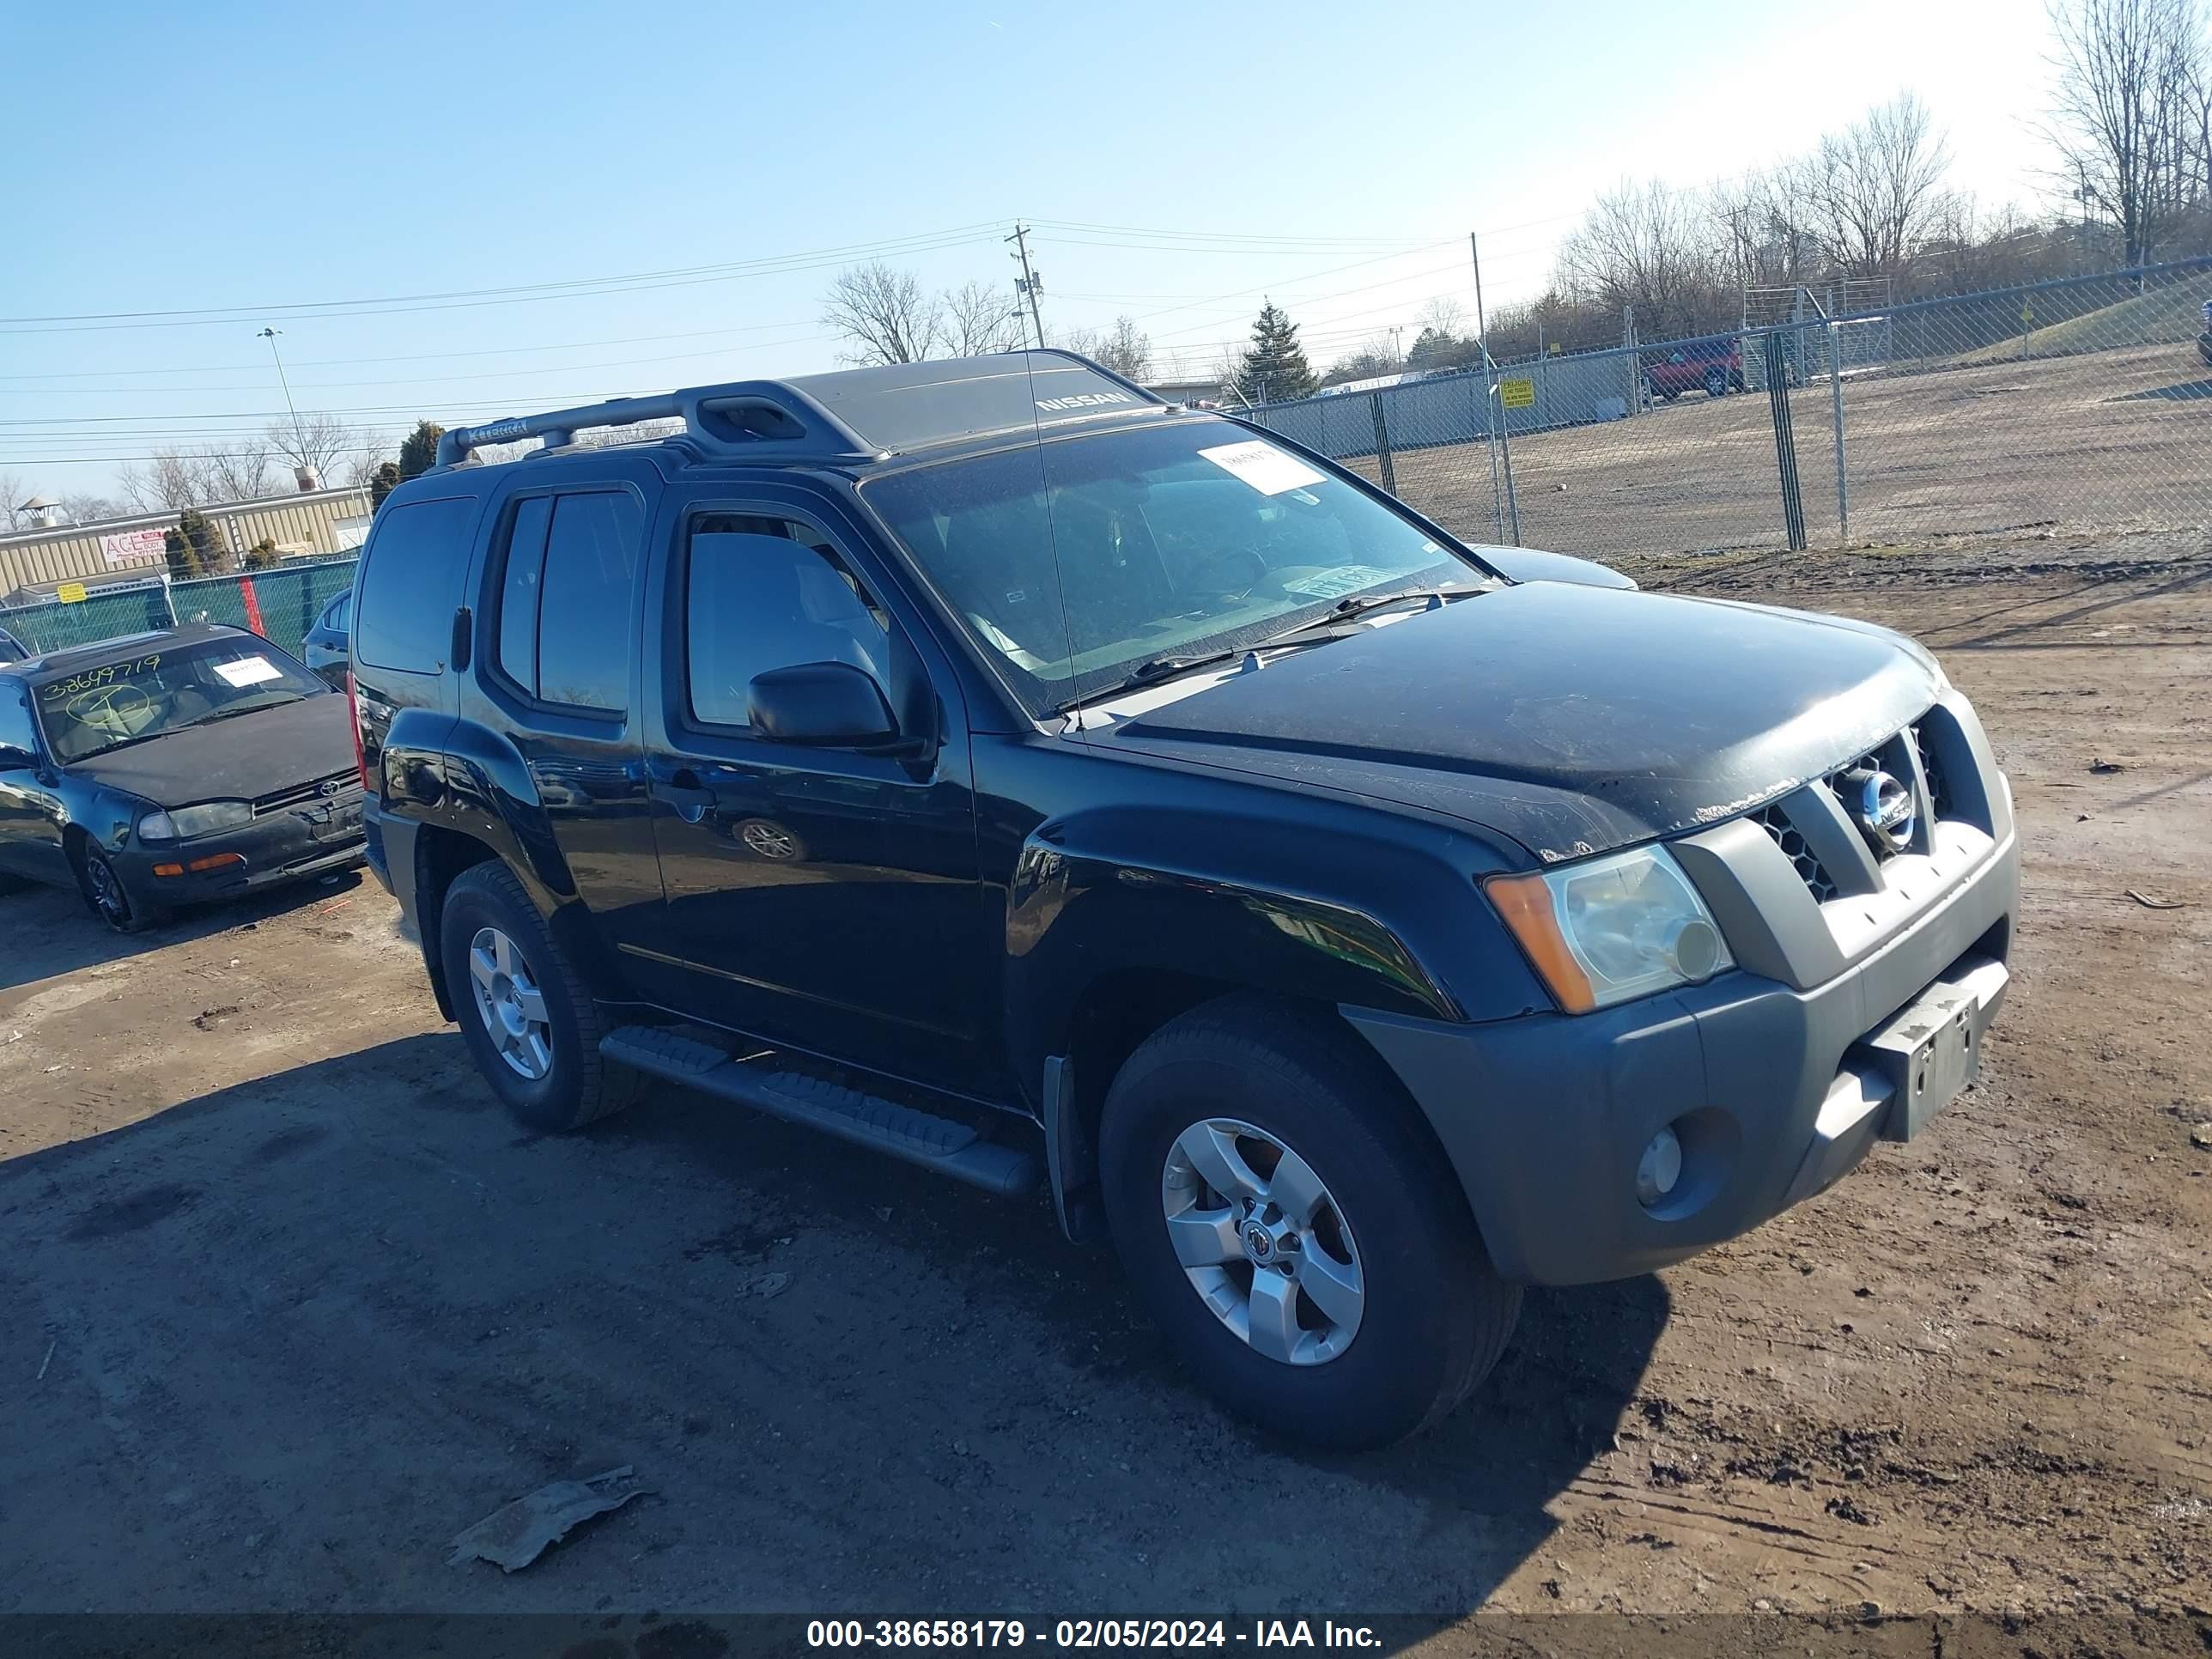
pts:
[1262, 1242]
[510, 1003]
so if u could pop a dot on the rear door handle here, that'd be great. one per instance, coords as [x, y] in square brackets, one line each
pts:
[683, 791]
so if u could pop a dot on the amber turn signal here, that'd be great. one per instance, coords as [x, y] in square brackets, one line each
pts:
[1524, 904]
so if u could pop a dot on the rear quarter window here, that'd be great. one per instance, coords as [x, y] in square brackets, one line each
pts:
[410, 585]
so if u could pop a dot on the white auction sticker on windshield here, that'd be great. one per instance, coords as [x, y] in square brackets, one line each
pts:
[1268, 470]
[1334, 584]
[249, 671]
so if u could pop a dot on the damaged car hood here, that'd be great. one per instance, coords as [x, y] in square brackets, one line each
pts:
[253, 754]
[1569, 719]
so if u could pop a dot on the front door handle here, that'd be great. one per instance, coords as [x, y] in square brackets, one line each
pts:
[684, 792]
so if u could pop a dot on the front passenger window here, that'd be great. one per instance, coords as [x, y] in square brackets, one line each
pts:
[764, 593]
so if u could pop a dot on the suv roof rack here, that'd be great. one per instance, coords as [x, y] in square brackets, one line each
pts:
[720, 419]
[855, 415]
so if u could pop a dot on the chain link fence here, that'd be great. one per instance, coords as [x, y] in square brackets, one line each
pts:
[280, 605]
[2081, 406]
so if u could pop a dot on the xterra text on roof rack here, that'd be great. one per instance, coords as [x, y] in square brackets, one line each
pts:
[1072, 790]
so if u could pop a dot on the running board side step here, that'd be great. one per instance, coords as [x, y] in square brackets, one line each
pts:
[942, 1144]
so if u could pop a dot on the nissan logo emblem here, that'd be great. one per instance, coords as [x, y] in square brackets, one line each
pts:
[1885, 811]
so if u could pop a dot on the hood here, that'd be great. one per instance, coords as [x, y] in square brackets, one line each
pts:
[241, 759]
[1570, 720]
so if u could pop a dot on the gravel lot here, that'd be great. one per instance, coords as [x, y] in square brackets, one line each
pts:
[2111, 441]
[289, 1303]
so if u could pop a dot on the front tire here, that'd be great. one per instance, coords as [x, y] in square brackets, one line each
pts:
[108, 899]
[1239, 1137]
[530, 1023]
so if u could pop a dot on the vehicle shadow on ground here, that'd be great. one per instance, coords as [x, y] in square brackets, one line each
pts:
[2186, 391]
[2020, 635]
[49, 931]
[311, 1288]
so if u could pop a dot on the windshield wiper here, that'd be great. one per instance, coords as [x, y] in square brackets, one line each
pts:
[1314, 630]
[233, 712]
[1157, 669]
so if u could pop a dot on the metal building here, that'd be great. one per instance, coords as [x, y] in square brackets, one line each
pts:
[322, 521]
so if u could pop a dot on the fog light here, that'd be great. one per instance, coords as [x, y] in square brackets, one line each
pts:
[1659, 1168]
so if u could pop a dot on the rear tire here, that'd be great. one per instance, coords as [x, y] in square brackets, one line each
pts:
[1425, 1318]
[527, 1017]
[1716, 384]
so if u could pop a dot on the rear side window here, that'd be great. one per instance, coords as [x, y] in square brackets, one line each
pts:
[16, 731]
[412, 585]
[564, 602]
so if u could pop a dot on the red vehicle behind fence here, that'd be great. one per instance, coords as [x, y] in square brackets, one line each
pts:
[1714, 366]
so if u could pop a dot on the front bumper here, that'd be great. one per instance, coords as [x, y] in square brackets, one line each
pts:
[1777, 1077]
[1769, 1087]
[279, 847]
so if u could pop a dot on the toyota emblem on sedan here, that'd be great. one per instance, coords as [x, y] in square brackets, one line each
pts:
[1885, 812]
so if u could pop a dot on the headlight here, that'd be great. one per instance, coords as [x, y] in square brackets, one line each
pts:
[187, 822]
[1611, 929]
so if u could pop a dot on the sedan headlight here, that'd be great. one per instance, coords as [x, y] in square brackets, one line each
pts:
[1611, 929]
[186, 822]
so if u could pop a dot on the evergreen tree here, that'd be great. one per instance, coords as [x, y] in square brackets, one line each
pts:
[418, 449]
[382, 483]
[195, 547]
[1275, 369]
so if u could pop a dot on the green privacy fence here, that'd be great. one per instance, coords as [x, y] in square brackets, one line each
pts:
[286, 602]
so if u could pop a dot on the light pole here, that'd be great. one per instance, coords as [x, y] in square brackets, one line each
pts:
[298, 437]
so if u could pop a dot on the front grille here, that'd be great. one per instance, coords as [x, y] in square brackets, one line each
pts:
[1810, 870]
[331, 788]
[1939, 792]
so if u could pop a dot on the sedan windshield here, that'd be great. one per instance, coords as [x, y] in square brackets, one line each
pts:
[164, 688]
[1080, 564]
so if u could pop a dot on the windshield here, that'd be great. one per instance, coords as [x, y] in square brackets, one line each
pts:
[162, 689]
[1170, 541]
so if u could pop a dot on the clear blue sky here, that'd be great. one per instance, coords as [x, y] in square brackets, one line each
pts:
[254, 156]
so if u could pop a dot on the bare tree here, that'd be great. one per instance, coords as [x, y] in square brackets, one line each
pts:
[978, 319]
[238, 475]
[2123, 109]
[1643, 246]
[315, 440]
[171, 480]
[1763, 223]
[1442, 315]
[85, 508]
[1876, 188]
[1127, 351]
[883, 315]
[12, 495]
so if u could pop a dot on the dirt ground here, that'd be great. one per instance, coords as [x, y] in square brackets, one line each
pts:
[288, 1302]
[2107, 442]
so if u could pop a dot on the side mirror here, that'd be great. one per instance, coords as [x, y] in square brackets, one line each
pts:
[13, 759]
[827, 705]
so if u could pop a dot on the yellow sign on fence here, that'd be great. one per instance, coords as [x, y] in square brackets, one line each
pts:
[1516, 394]
[70, 592]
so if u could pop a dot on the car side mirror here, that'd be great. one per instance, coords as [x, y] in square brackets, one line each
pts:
[827, 705]
[13, 759]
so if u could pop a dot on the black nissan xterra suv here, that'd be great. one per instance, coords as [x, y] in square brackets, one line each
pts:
[1066, 789]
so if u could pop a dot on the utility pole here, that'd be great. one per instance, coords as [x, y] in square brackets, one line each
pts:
[1495, 407]
[1027, 284]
